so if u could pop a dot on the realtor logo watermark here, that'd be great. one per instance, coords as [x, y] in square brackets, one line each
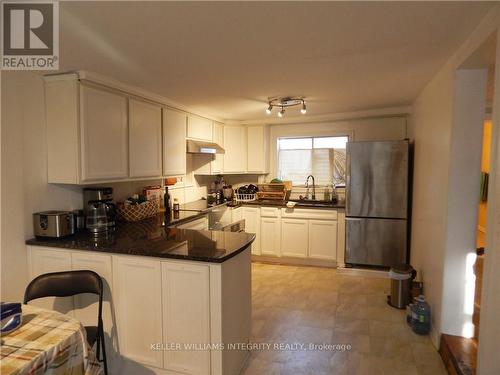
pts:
[30, 35]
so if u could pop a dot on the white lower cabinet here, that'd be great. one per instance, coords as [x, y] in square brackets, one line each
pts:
[323, 239]
[86, 305]
[236, 214]
[48, 260]
[137, 298]
[186, 316]
[270, 236]
[252, 225]
[294, 237]
[150, 303]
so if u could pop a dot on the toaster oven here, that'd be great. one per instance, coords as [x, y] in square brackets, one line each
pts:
[53, 224]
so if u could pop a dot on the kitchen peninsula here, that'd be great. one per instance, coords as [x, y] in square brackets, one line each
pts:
[165, 287]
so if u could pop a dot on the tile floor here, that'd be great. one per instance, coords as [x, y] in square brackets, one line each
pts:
[318, 305]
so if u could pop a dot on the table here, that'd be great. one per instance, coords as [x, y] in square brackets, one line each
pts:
[49, 343]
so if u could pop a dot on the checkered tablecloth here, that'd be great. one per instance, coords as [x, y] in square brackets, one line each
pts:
[47, 342]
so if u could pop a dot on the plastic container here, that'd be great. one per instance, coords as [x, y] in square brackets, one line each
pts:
[421, 322]
[409, 314]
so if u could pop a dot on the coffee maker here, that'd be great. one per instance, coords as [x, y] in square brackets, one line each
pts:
[99, 209]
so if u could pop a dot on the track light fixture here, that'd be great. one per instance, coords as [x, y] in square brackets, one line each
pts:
[287, 101]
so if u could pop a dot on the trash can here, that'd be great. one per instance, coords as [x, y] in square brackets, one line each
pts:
[402, 276]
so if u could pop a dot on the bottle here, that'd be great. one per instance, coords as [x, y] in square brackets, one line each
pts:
[176, 205]
[166, 200]
[422, 316]
[335, 196]
[327, 195]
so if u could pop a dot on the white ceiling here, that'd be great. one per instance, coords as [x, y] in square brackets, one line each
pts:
[227, 58]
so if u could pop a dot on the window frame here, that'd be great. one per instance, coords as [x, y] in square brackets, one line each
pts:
[297, 136]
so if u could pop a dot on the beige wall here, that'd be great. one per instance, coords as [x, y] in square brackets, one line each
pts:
[433, 128]
[24, 176]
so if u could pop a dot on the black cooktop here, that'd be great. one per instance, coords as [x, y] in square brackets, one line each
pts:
[199, 205]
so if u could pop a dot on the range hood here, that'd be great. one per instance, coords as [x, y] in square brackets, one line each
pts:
[203, 147]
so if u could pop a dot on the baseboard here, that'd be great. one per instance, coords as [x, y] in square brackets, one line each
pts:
[363, 272]
[435, 338]
[294, 261]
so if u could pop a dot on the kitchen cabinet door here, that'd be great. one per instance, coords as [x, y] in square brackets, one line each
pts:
[186, 316]
[236, 214]
[252, 225]
[104, 134]
[218, 159]
[86, 305]
[174, 142]
[46, 260]
[138, 306]
[257, 140]
[144, 139]
[294, 237]
[323, 239]
[198, 224]
[235, 158]
[270, 236]
[199, 128]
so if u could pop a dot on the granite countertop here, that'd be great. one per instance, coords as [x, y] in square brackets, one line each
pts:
[179, 217]
[277, 203]
[151, 238]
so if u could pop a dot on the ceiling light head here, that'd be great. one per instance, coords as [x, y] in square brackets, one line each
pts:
[303, 110]
[269, 109]
[282, 112]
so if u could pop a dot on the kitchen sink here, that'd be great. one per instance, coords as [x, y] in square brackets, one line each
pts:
[314, 203]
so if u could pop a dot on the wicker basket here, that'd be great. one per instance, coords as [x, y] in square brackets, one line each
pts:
[138, 212]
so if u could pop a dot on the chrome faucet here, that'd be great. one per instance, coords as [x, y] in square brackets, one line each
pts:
[314, 187]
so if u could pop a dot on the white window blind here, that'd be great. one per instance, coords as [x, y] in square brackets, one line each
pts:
[323, 157]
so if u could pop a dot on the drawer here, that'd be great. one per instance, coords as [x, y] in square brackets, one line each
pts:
[309, 213]
[270, 211]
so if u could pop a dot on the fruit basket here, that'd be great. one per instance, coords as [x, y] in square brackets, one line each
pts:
[137, 212]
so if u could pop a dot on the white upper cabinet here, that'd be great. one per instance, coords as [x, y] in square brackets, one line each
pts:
[99, 131]
[104, 134]
[199, 128]
[257, 146]
[145, 139]
[218, 137]
[174, 142]
[235, 144]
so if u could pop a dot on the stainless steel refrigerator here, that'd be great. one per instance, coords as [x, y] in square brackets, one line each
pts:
[377, 203]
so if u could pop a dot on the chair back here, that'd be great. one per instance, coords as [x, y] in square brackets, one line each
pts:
[64, 284]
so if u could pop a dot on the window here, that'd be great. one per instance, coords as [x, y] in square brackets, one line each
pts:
[323, 157]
